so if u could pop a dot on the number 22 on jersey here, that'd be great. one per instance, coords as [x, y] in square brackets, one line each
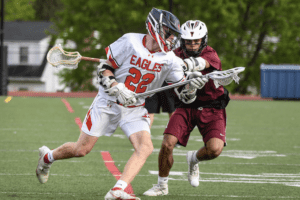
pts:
[135, 79]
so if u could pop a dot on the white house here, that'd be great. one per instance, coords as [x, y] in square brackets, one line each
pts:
[27, 46]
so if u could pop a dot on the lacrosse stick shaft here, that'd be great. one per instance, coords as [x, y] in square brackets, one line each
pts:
[208, 76]
[162, 89]
[90, 59]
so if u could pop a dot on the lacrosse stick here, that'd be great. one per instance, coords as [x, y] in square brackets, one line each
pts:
[219, 78]
[61, 58]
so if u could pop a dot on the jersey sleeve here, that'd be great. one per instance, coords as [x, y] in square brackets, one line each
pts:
[176, 71]
[118, 51]
[211, 56]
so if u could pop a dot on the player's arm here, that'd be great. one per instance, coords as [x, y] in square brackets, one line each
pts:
[107, 78]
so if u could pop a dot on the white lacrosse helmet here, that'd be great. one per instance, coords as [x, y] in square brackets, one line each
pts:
[161, 25]
[192, 30]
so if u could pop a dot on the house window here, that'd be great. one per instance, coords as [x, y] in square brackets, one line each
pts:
[23, 54]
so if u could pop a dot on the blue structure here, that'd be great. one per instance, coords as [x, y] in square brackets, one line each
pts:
[280, 81]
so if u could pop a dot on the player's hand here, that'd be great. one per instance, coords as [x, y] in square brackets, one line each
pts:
[195, 64]
[124, 96]
[197, 79]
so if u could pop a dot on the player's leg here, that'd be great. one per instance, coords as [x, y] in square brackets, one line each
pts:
[213, 132]
[143, 147]
[212, 149]
[212, 125]
[80, 148]
[136, 127]
[165, 163]
[165, 158]
[96, 123]
[177, 131]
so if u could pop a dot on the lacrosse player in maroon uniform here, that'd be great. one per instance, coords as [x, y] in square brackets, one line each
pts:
[204, 108]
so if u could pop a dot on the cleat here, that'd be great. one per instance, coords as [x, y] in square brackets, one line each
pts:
[118, 193]
[157, 190]
[43, 169]
[193, 170]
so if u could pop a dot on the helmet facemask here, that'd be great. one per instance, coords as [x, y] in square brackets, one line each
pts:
[163, 26]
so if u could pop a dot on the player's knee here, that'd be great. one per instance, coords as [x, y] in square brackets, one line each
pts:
[214, 152]
[146, 149]
[167, 146]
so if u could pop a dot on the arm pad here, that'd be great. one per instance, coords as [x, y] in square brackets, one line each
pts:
[195, 64]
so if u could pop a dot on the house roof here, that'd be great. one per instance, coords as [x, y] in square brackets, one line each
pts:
[27, 30]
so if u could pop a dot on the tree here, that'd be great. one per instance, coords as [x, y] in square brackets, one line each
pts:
[79, 20]
[45, 10]
[239, 30]
[241, 33]
[19, 10]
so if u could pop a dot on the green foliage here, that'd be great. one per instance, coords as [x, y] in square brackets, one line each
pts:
[19, 10]
[241, 31]
[46, 9]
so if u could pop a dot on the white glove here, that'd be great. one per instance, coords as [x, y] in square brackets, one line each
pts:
[197, 80]
[195, 64]
[124, 96]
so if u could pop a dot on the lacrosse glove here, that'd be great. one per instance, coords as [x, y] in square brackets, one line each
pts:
[195, 64]
[123, 94]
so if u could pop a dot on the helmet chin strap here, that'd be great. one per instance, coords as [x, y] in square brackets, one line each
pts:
[192, 53]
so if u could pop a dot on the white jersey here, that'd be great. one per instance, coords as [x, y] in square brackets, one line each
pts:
[138, 68]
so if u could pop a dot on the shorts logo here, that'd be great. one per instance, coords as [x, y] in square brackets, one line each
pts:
[89, 120]
[146, 116]
[222, 134]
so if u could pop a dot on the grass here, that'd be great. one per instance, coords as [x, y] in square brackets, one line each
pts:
[261, 161]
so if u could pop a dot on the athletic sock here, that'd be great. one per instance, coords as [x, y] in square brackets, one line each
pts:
[163, 180]
[48, 158]
[121, 184]
[194, 157]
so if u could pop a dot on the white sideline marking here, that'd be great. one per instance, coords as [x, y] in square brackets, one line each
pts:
[160, 137]
[273, 178]
[67, 175]
[155, 162]
[189, 195]
[245, 154]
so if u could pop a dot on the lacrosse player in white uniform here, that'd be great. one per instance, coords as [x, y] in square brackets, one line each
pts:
[136, 63]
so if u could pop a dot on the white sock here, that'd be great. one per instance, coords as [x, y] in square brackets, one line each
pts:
[121, 184]
[163, 180]
[194, 157]
[50, 156]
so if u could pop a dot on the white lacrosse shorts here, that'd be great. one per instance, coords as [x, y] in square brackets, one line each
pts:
[104, 116]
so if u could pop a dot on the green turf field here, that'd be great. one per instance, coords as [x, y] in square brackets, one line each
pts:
[261, 161]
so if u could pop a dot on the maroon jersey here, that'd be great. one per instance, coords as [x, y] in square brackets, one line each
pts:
[209, 92]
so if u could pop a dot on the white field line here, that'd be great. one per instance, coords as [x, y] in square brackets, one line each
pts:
[264, 178]
[155, 162]
[66, 175]
[170, 195]
[245, 154]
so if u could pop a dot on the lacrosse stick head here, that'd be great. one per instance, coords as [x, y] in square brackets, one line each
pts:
[58, 57]
[226, 77]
